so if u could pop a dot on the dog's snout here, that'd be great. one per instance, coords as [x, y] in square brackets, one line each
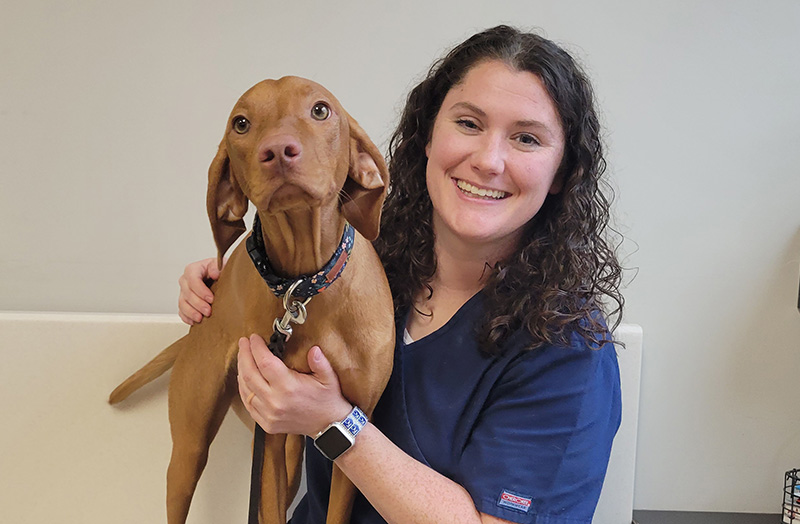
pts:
[284, 149]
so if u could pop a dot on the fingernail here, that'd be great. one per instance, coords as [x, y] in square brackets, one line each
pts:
[317, 353]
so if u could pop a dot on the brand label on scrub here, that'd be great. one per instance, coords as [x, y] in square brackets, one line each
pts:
[514, 501]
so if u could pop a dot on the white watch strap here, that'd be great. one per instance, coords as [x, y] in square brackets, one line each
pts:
[355, 421]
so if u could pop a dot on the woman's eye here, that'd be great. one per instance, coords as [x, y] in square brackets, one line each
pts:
[528, 140]
[469, 124]
[320, 111]
[241, 125]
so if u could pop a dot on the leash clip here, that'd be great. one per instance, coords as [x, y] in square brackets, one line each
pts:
[295, 312]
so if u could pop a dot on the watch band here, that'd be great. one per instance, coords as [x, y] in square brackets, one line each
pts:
[340, 436]
[355, 421]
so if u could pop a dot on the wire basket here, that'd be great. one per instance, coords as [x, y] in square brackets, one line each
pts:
[791, 497]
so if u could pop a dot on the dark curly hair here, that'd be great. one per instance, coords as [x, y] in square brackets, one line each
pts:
[564, 271]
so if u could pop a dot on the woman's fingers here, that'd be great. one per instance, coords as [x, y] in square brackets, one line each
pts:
[196, 275]
[192, 309]
[250, 380]
[271, 367]
[258, 368]
[249, 376]
[263, 381]
[195, 298]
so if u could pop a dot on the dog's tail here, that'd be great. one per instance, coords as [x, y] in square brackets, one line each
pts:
[151, 371]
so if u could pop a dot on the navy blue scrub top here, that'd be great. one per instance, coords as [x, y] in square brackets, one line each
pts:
[528, 433]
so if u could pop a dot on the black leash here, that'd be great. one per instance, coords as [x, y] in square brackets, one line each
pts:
[277, 344]
[295, 314]
[255, 474]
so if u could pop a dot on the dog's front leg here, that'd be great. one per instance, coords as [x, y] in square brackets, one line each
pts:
[343, 493]
[295, 445]
[274, 481]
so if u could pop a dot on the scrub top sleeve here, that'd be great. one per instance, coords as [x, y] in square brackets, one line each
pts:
[539, 449]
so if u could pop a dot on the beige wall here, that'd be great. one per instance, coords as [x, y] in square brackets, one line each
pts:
[110, 113]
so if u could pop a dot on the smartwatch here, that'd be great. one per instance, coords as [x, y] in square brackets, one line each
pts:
[340, 436]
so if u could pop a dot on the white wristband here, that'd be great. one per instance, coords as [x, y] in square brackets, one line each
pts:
[355, 421]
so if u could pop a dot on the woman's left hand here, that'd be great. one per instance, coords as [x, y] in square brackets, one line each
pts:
[282, 400]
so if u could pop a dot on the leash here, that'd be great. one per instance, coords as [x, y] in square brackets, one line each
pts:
[282, 330]
[304, 288]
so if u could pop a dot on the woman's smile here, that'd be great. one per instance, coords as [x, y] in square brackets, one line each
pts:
[481, 193]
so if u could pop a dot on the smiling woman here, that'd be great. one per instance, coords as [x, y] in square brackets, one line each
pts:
[564, 268]
[493, 156]
[504, 398]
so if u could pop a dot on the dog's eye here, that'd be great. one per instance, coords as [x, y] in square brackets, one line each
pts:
[241, 125]
[320, 111]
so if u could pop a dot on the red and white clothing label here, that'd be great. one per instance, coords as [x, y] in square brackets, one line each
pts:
[514, 501]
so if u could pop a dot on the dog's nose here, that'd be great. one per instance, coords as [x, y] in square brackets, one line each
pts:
[282, 148]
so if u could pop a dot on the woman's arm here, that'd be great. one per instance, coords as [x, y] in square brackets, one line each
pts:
[402, 489]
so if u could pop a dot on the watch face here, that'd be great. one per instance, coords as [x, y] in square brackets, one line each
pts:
[333, 442]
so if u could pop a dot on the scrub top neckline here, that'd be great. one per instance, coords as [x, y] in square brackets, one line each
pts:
[465, 307]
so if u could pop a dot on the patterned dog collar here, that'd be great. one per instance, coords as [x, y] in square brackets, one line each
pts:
[310, 285]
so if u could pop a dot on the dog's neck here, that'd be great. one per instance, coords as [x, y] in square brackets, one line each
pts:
[300, 242]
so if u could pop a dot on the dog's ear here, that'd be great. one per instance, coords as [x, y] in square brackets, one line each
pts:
[225, 202]
[366, 185]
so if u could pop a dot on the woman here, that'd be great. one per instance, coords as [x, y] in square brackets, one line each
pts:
[504, 399]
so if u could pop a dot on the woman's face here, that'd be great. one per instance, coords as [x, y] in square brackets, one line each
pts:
[493, 155]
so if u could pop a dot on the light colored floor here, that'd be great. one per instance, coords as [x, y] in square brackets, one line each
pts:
[684, 517]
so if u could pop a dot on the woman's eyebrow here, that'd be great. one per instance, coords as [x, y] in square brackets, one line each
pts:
[519, 123]
[469, 106]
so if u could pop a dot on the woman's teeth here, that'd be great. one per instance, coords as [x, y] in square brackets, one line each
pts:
[474, 191]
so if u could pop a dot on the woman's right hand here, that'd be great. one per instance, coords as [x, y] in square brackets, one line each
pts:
[194, 301]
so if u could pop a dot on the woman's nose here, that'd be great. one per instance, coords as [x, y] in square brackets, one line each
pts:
[489, 158]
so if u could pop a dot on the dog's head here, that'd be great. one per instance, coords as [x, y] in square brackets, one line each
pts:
[289, 144]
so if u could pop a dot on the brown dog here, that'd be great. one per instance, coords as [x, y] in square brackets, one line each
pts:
[292, 150]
